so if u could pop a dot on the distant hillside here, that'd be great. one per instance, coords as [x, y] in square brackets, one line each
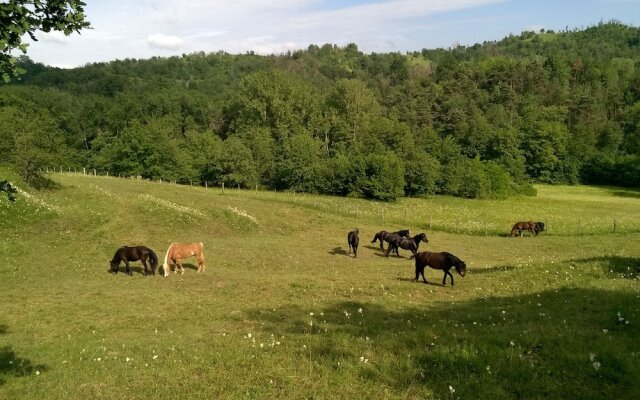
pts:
[478, 121]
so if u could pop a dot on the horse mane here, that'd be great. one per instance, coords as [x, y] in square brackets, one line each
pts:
[166, 256]
[452, 259]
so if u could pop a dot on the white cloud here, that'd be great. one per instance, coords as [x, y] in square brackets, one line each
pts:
[52, 37]
[168, 42]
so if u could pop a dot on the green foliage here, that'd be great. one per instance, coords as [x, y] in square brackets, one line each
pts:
[421, 175]
[30, 141]
[5, 186]
[379, 177]
[21, 17]
[479, 121]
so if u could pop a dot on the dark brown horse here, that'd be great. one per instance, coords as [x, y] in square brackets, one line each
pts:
[533, 227]
[126, 254]
[353, 240]
[444, 261]
[386, 236]
[411, 244]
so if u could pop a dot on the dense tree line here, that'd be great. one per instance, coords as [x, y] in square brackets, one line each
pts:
[479, 121]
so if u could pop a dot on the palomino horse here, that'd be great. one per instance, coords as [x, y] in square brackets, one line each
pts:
[533, 227]
[384, 235]
[353, 239]
[443, 261]
[126, 254]
[178, 251]
[411, 244]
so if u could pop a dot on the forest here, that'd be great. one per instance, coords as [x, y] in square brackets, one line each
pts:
[481, 121]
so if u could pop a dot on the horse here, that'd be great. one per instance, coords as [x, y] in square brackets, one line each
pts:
[382, 236]
[178, 251]
[126, 254]
[407, 243]
[443, 261]
[533, 227]
[353, 240]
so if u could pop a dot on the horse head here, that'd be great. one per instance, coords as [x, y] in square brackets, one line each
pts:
[540, 226]
[423, 237]
[461, 267]
[404, 232]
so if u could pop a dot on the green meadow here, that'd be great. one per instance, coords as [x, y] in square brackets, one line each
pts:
[282, 311]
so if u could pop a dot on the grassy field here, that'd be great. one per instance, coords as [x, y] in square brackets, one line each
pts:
[283, 312]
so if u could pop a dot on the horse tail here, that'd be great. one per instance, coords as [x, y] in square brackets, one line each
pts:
[165, 266]
[153, 258]
[376, 237]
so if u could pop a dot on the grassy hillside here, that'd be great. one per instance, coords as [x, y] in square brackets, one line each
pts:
[283, 312]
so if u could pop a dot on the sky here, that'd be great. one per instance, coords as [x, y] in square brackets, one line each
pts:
[146, 28]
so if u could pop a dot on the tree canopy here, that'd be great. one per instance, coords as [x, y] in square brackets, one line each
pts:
[21, 17]
[480, 121]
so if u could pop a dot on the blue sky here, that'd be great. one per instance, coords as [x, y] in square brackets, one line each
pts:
[146, 28]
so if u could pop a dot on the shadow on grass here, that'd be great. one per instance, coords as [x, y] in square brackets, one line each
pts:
[338, 251]
[566, 343]
[12, 365]
[625, 193]
[136, 269]
[490, 270]
[373, 247]
[628, 267]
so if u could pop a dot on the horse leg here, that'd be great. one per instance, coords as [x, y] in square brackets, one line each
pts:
[349, 243]
[143, 259]
[444, 279]
[451, 275]
[126, 263]
[179, 267]
[423, 278]
[201, 266]
[355, 251]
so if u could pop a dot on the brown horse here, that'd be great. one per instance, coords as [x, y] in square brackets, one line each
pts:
[443, 261]
[353, 239]
[533, 227]
[126, 254]
[178, 251]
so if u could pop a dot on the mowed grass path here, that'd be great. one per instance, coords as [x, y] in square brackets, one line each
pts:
[283, 312]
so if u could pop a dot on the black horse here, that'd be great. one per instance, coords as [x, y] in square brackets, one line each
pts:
[443, 261]
[383, 235]
[411, 244]
[126, 254]
[353, 240]
[534, 227]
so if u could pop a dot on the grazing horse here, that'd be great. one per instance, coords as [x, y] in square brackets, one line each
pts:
[126, 254]
[353, 240]
[411, 244]
[178, 251]
[383, 235]
[443, 261]
[533, 227]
